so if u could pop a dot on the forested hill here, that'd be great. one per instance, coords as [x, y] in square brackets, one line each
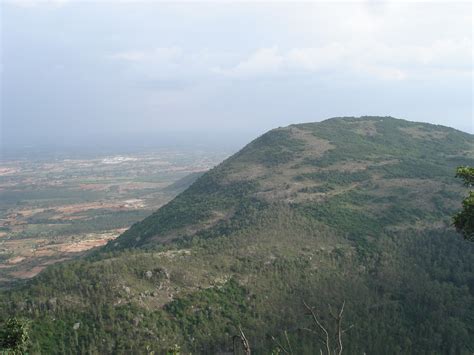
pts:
[314, 167]
[354, 210]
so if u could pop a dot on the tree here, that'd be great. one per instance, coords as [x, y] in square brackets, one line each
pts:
[244, 341]
[174, 350]
[331, 340]
[464, 219]
[14, 336]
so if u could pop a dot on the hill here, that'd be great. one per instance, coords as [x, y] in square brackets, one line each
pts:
[348, 209]
[183, 183]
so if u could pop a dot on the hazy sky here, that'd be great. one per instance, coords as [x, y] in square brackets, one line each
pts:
[79, 71]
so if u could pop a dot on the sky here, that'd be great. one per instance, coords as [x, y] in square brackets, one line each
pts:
[83, 72]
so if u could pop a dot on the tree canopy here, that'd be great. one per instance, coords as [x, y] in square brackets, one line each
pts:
[14, 336]
[464, 219]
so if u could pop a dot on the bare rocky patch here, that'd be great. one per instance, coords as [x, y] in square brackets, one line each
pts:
[420, 132]
[364, 127]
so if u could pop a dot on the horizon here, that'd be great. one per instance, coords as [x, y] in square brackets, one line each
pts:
[229, 141]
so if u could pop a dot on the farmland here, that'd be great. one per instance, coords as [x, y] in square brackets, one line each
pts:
[55, 209]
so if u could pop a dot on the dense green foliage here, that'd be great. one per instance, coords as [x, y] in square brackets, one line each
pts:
[192, 207]
[354, 210]
[273, 148]
[14, 336]
[464, 219]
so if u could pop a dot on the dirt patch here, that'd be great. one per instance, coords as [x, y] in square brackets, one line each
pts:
[421, 226]
[421, 133]
[173, 253]
[7, 171]
[114, 205]
[31, 256]
[277, 182]
[66, 212]
[122, 187]
[322, 196]
[365, 128]
[27, 274]
[249, 172]
[42, 252]
[314, 146]
[353, 166]
[15, 260]
[349, 166]
[83, 245]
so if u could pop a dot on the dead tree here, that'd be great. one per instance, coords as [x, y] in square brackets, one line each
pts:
[244, 341]
[332, 342]
[286, 349]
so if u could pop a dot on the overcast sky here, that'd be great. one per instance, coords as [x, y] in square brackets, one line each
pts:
[79, 71]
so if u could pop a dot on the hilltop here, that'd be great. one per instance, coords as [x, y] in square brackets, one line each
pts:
[348, 209]
[313, 167]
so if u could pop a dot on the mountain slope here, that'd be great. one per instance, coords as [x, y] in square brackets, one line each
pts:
[348, 209]
[313, 166]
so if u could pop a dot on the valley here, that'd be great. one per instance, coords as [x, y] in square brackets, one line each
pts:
[55, 209]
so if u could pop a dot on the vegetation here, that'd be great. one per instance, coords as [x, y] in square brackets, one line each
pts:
[271, 149]
[464, 220]
[183, 183]
[347, 219]
[14, 336]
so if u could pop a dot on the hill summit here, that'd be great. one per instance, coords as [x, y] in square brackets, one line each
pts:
[348, 210]
[310, 168]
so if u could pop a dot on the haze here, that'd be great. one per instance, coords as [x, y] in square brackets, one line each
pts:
[86, 73]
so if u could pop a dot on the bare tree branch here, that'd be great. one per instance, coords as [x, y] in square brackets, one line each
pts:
[316, 320]
[348, 328]
[288, 343]
[280, 345]
[243, 340]
[332, 341]
[339, 331]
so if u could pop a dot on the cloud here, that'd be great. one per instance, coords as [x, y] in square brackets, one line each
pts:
[262, 61]
[163, 55]
[207, 65]
[313, 59]
[335, 56]
[384, 73]
[35, 3]
[165, 85]
[381, 40]
[162, 63]
[131, 56]
[371, 58]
